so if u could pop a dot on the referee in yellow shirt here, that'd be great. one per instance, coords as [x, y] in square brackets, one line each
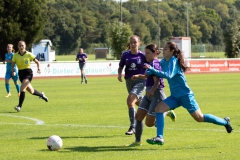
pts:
[22, 59]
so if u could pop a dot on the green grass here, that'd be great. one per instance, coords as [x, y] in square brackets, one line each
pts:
[209, 55]
[91, 57]
[92, 119]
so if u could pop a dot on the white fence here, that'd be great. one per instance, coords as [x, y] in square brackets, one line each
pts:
[49, 69]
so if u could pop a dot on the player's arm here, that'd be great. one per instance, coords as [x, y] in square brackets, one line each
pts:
[136, 76]
[120, 73]
[154, 87]
[85, 58]
[12, 68]
[38, 65]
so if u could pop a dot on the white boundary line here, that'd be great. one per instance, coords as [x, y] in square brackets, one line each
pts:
[40, 122]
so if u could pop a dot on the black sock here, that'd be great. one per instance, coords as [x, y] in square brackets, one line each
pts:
[21, 99]
[138, 131]
[36, 93]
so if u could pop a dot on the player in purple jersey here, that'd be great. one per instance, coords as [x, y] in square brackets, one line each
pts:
[8, 75]
[133, 60]
[154, 95]
[81, 58]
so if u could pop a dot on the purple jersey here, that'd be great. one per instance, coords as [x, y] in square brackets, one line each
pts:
[150, 81]
[84, 55]
[133, 63]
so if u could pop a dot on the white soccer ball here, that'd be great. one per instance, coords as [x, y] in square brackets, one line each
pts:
[54, 143]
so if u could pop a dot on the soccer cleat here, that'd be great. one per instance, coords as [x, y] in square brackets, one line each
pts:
[17, 108]
[156, 140]
[130, 131]
[134, 144]
[172, 115]
[85, 81]
[81, 82]
[43, 97]
[8, 95]
[228, 126]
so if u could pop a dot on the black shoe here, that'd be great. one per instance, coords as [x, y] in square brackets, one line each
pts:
[130, 131]
[85, 81]
[44, 97]
[228, 125]
[17, 108]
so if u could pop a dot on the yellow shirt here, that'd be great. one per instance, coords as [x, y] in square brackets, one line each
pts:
[23, 61]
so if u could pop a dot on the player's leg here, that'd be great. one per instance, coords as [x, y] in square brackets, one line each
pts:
[131, 100]
[25, 83]
[34, 92]
[15, 80]
[7, 85]
[191, 105]
[168, 104]
[135, 89]
[80, 67]
[140, 115]
[83, 72]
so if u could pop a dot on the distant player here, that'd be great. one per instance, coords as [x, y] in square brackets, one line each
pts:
[173, 68]
[133, 60]
[8, 75]
[22, 59]
[81, 58]
[154, 95]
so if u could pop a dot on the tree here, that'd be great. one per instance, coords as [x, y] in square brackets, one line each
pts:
[119, 34]
[21, 20]
[232, 39]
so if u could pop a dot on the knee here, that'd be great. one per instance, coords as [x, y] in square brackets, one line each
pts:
[138, 117]
[130, 103]
[199, 119]
[149, 124]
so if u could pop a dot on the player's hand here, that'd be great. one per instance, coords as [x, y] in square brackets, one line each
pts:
[39, 71]
[134, 77]
[150, 93]
[120, 78]
[14, 73]
[147, 66]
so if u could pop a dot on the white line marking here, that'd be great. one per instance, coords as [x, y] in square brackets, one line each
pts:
[38, 122]
[96, 126]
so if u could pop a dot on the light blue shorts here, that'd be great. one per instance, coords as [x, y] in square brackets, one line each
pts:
[188, 102]
[9, 75]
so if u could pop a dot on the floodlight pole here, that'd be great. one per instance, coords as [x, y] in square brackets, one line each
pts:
[121, 11]
[187, 5]
[158, 24]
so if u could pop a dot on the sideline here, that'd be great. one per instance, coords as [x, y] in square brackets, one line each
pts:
[38, 122]
[110, 127]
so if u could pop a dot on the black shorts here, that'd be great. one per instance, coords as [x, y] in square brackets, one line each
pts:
[25, 74]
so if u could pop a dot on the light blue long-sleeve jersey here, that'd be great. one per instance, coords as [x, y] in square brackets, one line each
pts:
[172, 71]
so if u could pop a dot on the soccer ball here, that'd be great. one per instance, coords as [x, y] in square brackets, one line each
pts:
[54, 143]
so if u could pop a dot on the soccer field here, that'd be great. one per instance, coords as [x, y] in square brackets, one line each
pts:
[92, 119]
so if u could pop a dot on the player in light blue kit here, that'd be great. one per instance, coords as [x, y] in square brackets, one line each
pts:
[173, 68]
[154, 95]
[133, 60]
[8, 75]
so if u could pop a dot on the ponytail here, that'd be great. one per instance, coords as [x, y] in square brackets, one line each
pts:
[179, 55]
